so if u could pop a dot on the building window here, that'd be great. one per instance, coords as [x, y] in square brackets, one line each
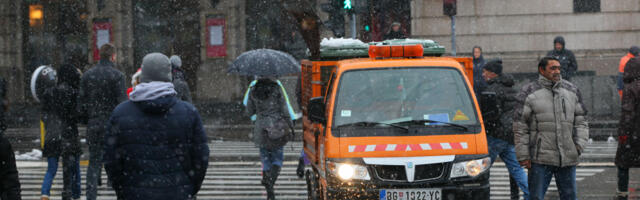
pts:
[586, 6]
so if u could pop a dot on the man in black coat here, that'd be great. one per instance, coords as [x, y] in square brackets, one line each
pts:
[9, 182]
[102, 88]
[568, 62]
[497, 103]
[155, 144]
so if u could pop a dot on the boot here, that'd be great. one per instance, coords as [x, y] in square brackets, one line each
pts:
[622, 195]
[44, 197]
[268, 186]
[300, 169]
[273, 176]
[515, 190]
[264, 180]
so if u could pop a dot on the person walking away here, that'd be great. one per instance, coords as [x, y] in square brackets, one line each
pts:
[298, 49]
[273, 127]
[179, 81]
[155, 144]
[395, 32]
[52, 142]
[633, 52]
[62, 140]
[478, 61]
[550, 131]
[565, 57]
[629, 131]
[102, 88]
[497, 102]
[9, 181]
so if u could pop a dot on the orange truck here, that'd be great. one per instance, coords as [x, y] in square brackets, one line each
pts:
[392, 120]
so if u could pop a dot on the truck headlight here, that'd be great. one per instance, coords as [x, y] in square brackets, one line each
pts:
[349, 171]
[470, 168]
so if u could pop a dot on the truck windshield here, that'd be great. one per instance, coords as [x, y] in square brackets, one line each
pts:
[401, 95]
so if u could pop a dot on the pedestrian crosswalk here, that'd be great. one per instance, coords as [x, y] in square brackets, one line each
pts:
[235, 173]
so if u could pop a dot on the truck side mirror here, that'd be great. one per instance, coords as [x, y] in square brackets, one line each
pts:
[316, 110]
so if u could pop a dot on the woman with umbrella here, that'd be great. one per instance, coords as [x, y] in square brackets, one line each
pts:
[268, 105]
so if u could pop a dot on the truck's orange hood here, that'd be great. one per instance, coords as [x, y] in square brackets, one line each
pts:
[409, 146]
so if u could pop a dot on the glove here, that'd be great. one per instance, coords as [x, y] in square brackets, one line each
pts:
[623, 139]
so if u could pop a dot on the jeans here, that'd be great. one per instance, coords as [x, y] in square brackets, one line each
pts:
[52, 168]
[71, 177]
[623, 179]
[271, 157]
[540, 177]
[506, 151]
[95, 135]
[304, 156]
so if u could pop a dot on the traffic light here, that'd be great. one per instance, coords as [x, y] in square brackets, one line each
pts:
[449, 7]
[336, 22]
[347, 5]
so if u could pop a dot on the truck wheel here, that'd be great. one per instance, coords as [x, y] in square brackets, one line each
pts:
[313, 187]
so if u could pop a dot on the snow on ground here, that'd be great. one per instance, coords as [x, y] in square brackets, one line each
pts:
[338, 42]
[35, 154]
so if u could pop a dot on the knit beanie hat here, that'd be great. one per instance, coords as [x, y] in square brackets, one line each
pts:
[155, 67]
[176, 62]
[634, 50]
[494, 66]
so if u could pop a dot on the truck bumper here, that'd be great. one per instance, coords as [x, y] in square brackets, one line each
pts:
[478, 189]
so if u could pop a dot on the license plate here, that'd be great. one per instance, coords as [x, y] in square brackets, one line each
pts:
[411, 194]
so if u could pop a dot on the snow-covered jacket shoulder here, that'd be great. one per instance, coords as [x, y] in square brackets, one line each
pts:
[156, 149]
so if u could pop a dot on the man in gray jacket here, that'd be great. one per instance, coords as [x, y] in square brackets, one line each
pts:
[550, 131]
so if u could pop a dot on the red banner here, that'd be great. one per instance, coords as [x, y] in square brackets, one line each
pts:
[102, 34]
[216, 37]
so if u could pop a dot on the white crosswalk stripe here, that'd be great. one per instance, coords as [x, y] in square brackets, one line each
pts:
[239, 177]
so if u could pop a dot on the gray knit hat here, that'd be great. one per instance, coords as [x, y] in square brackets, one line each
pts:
[176, 62]
[155, 67]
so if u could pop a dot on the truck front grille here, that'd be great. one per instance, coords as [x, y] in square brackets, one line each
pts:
[397, 173]
[428, 172]
[390, 172]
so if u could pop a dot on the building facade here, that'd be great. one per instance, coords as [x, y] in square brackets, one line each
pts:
[209, 34]
[599, 32]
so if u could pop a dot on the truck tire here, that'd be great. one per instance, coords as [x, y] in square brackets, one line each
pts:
[313, 187]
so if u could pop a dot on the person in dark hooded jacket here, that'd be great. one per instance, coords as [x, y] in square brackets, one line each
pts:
[179, 82]
[102, 88]
[629, 130]
[62, 138]
[478, 61]
[9, 181]
[568, 62]
[497, 103]
[155, 144]
[395, 32]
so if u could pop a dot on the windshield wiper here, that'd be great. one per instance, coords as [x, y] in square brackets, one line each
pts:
[423, 121]
[365, 123]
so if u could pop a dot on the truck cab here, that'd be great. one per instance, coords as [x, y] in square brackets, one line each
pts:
[393, 120]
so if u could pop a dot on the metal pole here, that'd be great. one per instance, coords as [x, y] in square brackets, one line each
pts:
[453, 35]
[353, 25]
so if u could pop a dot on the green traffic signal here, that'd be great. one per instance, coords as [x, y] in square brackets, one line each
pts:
[367, 28]
[347, 5]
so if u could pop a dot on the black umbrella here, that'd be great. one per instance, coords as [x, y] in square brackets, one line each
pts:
[264, 62]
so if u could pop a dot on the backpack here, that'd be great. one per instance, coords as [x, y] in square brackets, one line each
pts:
[278, 135]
